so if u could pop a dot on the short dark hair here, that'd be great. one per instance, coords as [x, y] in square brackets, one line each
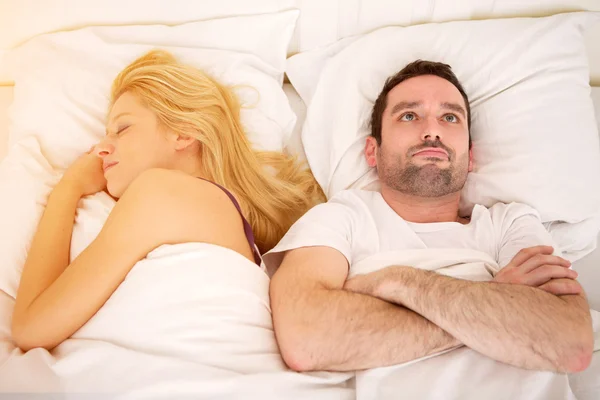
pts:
[412, 70]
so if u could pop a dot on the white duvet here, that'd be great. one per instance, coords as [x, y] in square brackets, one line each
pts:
[462, 373]
[189, 320]
[193, 320]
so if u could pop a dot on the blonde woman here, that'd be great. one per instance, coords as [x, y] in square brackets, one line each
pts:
[176, 157]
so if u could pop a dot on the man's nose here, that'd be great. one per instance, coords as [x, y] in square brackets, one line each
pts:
[431, 130]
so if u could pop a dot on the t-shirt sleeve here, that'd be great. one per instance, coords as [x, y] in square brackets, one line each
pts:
[329, 224]
[520, 227]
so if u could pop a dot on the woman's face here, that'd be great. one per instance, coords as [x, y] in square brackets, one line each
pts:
[134, 142]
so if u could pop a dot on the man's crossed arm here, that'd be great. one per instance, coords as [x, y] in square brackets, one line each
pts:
[384, 318]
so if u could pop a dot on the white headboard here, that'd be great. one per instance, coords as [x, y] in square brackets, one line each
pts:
[320, 22]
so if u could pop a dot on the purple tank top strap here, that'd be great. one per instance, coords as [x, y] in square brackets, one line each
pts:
[247, 227]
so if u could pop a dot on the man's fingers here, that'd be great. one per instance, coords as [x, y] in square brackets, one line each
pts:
[545, 273]
[527, 253]
[543, 259]
[562, 287]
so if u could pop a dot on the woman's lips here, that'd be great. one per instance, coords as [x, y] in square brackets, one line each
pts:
[108, 166]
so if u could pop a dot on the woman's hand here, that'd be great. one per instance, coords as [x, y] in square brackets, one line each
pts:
[86, 175]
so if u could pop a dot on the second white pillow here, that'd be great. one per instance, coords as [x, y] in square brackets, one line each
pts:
[534, 132]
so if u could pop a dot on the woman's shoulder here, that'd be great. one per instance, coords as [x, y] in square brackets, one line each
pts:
[168, 185]
[167, 206]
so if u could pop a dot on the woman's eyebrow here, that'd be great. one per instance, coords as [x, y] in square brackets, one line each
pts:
[115, 118]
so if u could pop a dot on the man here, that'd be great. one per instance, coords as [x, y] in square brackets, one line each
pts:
[420, 145]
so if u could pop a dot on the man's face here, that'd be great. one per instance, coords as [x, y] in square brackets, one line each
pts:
[424, 147]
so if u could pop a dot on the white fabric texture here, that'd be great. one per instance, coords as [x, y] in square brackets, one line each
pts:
[21, 20]
[190, 319]
[63, 79]
[533, 120]
[327, 21]
[360, 224]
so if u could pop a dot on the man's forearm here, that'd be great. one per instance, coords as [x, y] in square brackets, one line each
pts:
[338, 330]
[515, 324]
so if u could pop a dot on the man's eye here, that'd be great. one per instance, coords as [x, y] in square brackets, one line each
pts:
[451, 118]
[408, 117]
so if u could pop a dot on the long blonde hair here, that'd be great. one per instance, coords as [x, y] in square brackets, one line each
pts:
[188, 101]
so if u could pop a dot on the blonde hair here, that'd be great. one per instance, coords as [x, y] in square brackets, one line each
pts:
[188, 101]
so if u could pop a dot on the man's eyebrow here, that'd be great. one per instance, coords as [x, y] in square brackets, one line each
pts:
[455, 107]
[403, 105]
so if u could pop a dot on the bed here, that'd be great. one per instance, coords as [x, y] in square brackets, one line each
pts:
[300, 73]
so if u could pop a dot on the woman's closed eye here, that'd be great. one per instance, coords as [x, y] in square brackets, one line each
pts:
[121, 129]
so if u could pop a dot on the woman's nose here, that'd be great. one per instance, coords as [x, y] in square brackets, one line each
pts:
[104, 148]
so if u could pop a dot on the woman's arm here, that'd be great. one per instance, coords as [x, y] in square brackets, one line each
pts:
[49, 253]
[159, 207]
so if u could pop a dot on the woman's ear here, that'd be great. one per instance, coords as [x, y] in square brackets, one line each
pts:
[182, 141]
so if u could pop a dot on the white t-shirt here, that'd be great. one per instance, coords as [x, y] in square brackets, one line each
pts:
[359, 224]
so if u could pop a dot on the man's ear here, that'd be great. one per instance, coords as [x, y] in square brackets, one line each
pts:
[470, 160]
[371, 148]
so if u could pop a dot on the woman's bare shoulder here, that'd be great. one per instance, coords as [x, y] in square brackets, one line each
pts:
[167, 207]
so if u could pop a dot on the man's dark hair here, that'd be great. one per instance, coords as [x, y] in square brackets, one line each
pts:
[412, 70]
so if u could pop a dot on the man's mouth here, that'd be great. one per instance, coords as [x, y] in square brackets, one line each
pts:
[432, 152]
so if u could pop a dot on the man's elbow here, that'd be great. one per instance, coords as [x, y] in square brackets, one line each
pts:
[295, 353]
[298, 346]
[579, 355]
[581, 362]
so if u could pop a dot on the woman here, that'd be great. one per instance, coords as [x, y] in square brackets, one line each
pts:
[174, 142]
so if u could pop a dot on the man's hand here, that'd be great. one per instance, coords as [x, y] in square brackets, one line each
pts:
[533, 266]
[537, 267]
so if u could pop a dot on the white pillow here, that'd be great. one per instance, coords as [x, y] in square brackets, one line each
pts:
[22, 19]
[535, 139]
[324, 22]
[60, 103]
[26, 180]
[62, 80]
